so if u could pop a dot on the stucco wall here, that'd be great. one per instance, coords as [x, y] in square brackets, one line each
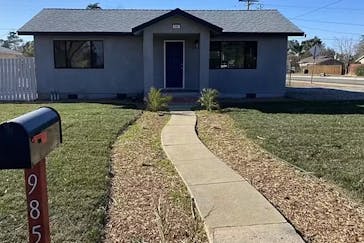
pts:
[190, 31]
[267, 80]
[192, 61]
[122, 72]
[123, 66]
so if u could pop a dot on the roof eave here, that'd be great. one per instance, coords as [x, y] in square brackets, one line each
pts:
[265, 33]
[71, 33]
[296, 34]
[131, 33]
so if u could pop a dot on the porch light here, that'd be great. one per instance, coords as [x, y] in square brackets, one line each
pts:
[197, 44]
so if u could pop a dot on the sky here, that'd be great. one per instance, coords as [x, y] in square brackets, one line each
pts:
[328, 19]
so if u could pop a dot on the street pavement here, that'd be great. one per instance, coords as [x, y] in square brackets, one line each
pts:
[328, 79]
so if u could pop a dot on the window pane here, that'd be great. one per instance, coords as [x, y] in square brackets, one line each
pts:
[60, 54]
[79, 54]
[97, 54]
[251, 55]
[233, 54]
[215, 59]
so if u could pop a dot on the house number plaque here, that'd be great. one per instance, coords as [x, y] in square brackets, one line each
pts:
[37, 203]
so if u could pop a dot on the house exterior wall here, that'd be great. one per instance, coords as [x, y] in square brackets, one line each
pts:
[122, 72]
[267, 80]
[124, 65]
[196, 65]
[192, 61]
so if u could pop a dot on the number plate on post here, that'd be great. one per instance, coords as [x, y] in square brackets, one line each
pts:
[37, 203]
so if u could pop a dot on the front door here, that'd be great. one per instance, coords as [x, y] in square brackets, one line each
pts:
[173, 67]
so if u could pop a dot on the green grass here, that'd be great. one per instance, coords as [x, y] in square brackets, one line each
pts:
[77, 173]
[326, 138]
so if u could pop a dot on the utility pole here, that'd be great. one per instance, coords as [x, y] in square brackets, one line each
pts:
[249, 3]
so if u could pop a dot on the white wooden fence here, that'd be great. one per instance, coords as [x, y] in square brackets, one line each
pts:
[17, 79]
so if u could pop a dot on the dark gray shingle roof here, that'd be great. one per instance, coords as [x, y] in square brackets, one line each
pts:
[123, 20]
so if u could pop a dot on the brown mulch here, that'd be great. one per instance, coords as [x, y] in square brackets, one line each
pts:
[148, 200]
[318, 210]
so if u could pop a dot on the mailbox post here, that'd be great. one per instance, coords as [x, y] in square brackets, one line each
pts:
[24, 144]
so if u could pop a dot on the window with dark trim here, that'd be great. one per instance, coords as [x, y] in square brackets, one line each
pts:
[233, 55]
[78, 54]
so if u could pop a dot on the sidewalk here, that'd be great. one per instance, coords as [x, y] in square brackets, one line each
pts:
[232, 210]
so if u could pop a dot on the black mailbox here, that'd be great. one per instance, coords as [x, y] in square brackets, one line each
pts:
[29, 138]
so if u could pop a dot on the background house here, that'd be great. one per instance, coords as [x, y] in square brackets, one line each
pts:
[359, 63]
[360, 60]
[8, 53]
[322, 64]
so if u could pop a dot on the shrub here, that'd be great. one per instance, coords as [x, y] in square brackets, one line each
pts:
[208, 99]
[360, 71]
[157, 101]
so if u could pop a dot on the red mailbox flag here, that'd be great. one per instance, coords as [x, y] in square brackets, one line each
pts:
[37, 203]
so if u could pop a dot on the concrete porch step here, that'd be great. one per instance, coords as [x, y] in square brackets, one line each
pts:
[181, 107]
[182, 93]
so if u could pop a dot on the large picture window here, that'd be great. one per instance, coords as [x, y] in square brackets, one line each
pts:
[78, 54]
[233, 55]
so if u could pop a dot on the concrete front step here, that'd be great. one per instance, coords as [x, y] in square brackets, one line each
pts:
[181, 106]
[232, 209]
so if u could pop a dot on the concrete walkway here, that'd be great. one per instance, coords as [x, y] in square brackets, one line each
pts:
[232, 210]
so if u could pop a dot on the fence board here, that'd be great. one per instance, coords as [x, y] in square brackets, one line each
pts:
[328, 69]
[17, 79]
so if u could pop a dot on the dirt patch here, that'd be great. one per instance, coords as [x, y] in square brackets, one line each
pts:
[320, 211]
[149, 202]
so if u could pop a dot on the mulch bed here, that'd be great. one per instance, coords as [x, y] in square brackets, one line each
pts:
[320, 211]
[148, 201]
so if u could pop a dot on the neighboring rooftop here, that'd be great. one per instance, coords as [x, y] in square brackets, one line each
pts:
[8, 52]
[360, 59]
[318, 60]
[124, 20]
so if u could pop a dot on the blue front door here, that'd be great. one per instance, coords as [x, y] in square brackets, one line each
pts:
[174, 64]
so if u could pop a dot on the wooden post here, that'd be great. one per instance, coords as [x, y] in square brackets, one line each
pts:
[37, 203]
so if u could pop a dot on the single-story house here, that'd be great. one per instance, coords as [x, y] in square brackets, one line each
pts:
[320, 60]
[118, 52]
[359, 63]
[323, 64]
[9, 53]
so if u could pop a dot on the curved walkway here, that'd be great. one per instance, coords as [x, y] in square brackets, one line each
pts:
[232, 210]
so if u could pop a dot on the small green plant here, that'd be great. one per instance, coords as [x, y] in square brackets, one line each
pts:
[360, 71]
[208, 99]
[157, 101]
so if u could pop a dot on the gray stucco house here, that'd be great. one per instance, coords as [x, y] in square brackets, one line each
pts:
[109, 53]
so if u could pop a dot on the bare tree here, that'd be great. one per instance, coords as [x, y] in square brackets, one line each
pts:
[360, 47]
[346, 49]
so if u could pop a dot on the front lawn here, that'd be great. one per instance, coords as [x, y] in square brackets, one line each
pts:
[77, 173]
[326, 138]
